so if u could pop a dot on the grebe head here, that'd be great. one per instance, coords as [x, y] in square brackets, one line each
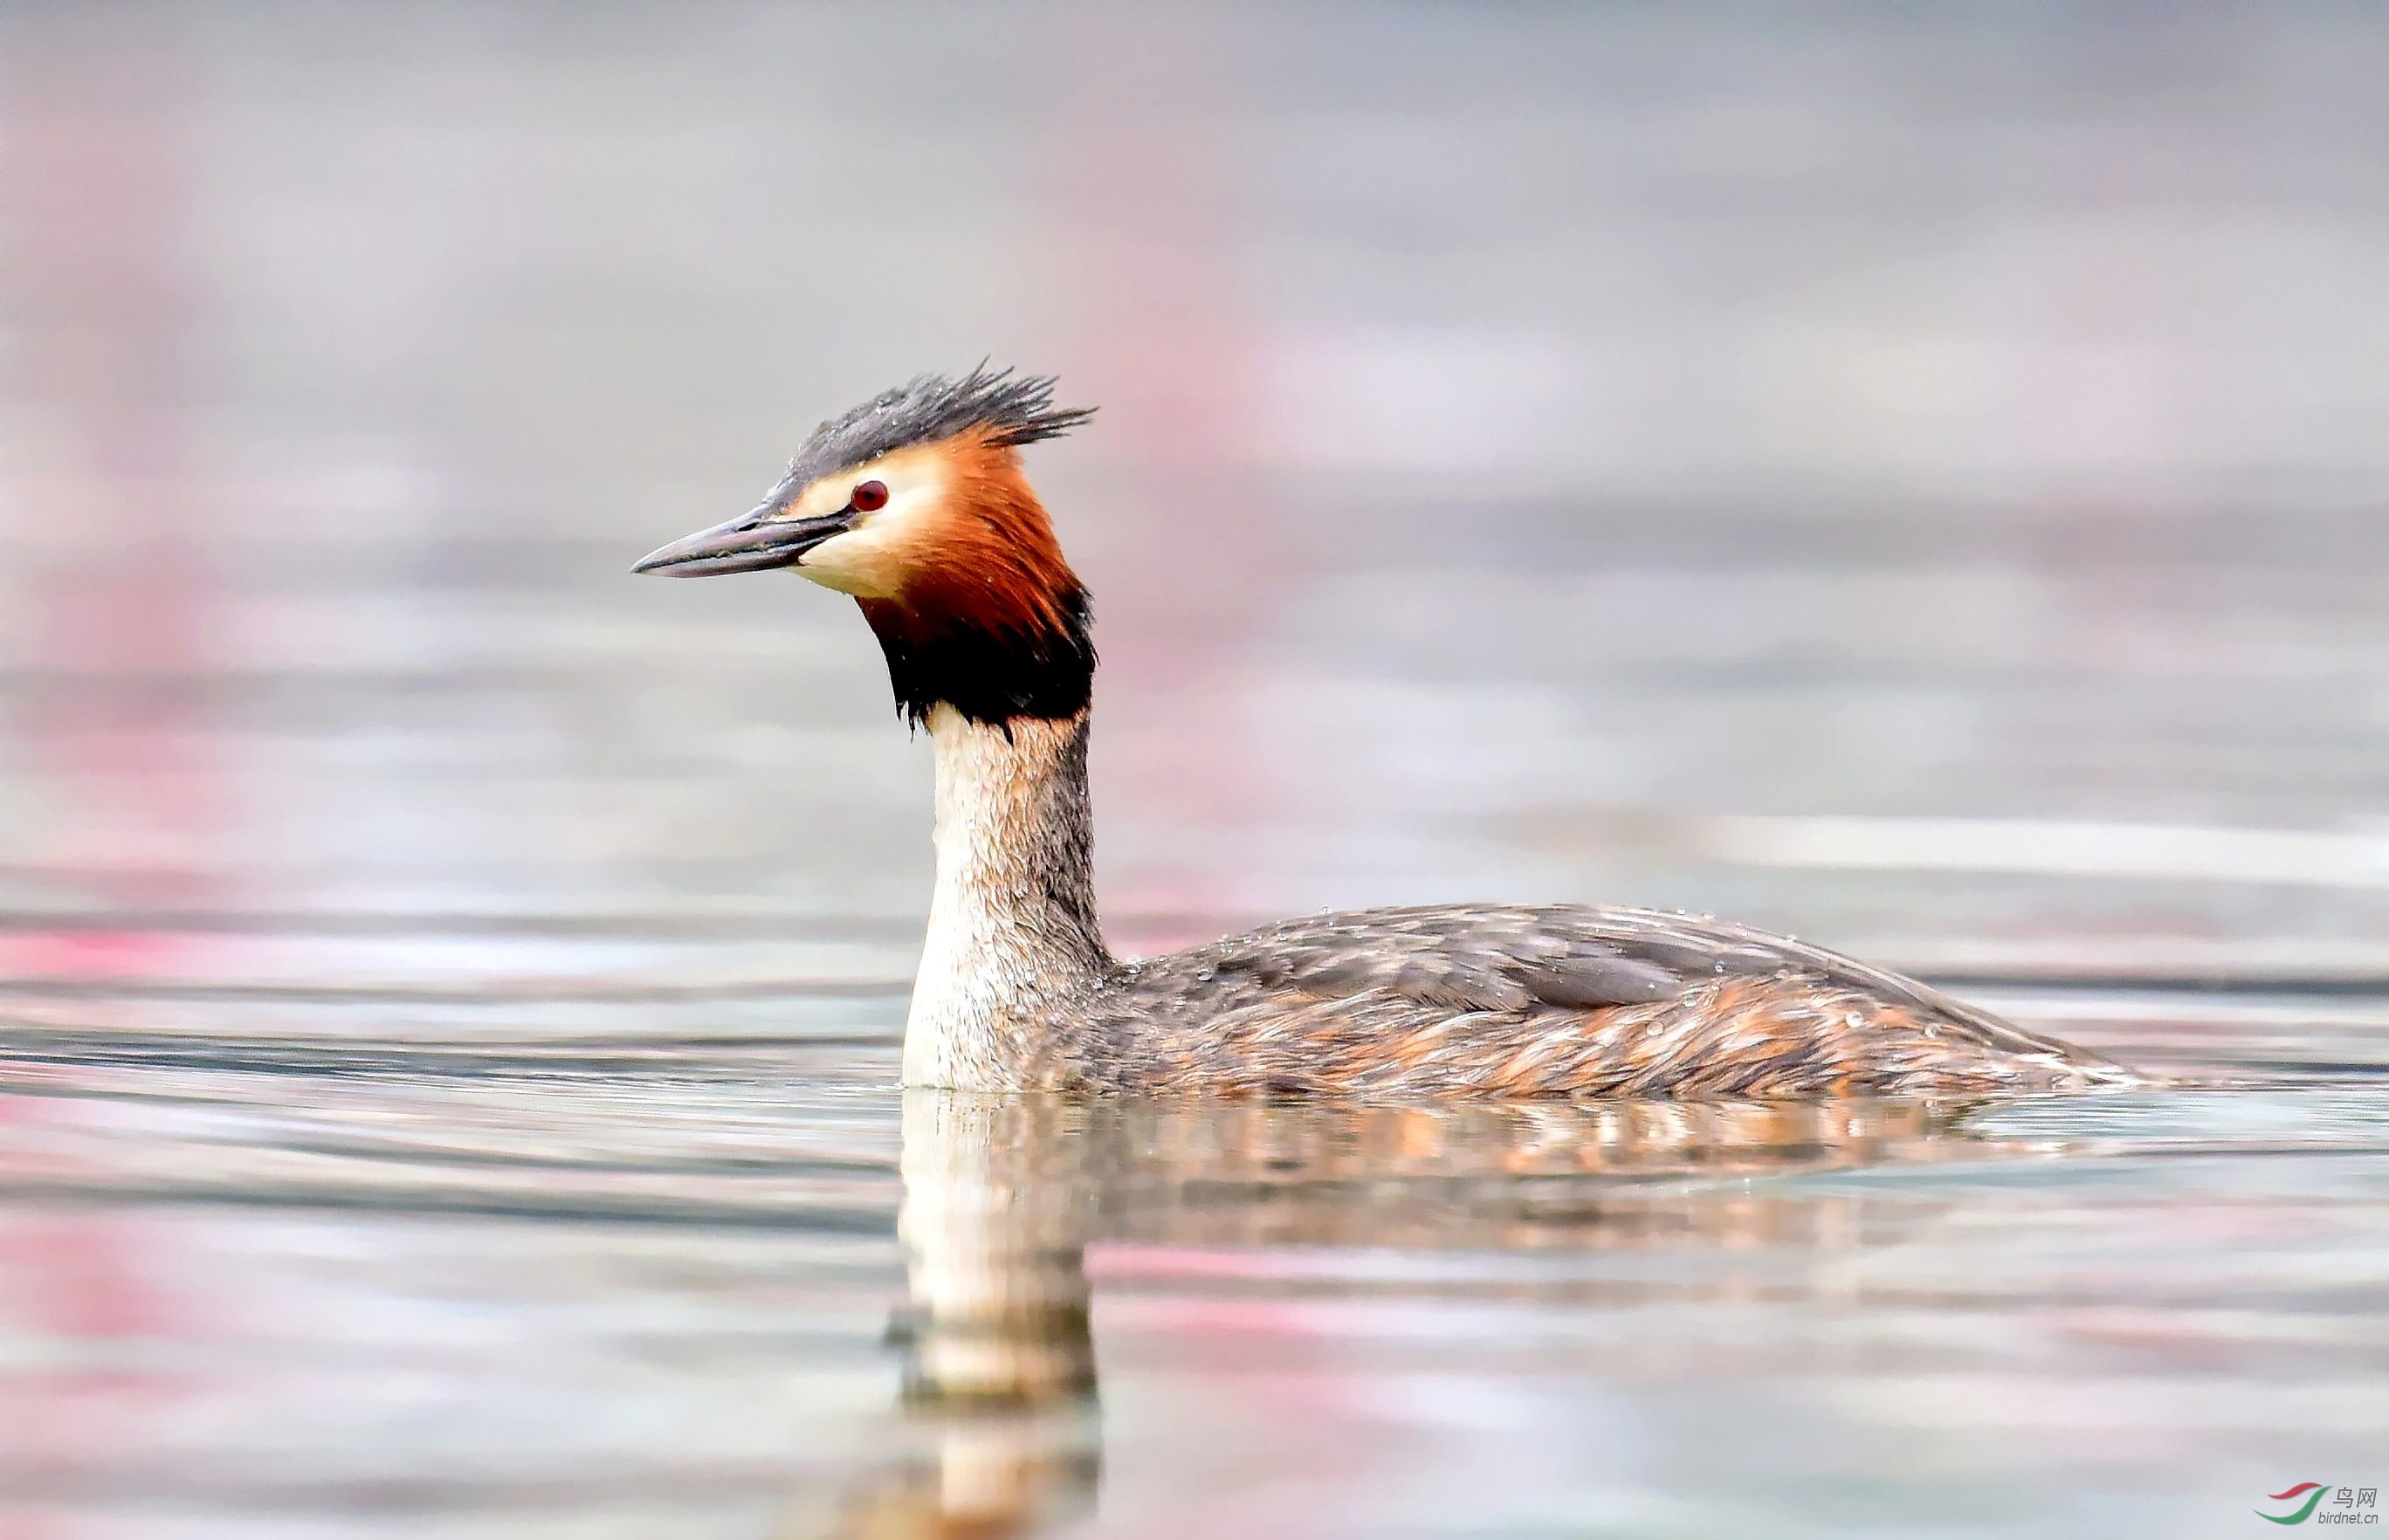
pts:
[914, 504]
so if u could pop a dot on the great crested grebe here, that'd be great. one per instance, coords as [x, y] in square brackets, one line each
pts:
[914, 504]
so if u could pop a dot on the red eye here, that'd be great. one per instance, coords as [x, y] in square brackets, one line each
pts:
[868, 497]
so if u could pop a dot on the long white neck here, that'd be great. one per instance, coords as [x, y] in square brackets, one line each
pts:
[1012, 925]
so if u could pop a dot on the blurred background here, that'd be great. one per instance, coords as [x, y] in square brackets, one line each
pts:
[1547, 452]
[1913, 475]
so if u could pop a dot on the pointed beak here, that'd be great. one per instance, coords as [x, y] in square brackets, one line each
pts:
[751, 543]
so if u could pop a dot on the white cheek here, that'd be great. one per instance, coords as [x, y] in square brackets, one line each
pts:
[873, 562]
[864, 562]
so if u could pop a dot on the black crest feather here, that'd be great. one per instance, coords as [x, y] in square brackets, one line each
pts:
[1009, 409]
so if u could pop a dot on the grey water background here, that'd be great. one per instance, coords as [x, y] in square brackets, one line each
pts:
[1909, 475]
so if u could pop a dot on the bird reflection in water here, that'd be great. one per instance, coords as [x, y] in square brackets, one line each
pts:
[1003, 1195]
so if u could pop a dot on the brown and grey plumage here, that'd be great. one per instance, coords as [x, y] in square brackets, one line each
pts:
[1558, 1001]
[916, 505]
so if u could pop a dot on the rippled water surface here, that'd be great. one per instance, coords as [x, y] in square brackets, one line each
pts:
[1914, 478]
[693, 1284]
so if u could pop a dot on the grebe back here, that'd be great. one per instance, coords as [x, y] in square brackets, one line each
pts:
[914, 504]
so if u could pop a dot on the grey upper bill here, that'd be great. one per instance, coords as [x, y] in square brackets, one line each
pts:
[753, 541]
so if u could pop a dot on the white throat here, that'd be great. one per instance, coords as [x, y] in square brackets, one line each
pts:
[1012, 924]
